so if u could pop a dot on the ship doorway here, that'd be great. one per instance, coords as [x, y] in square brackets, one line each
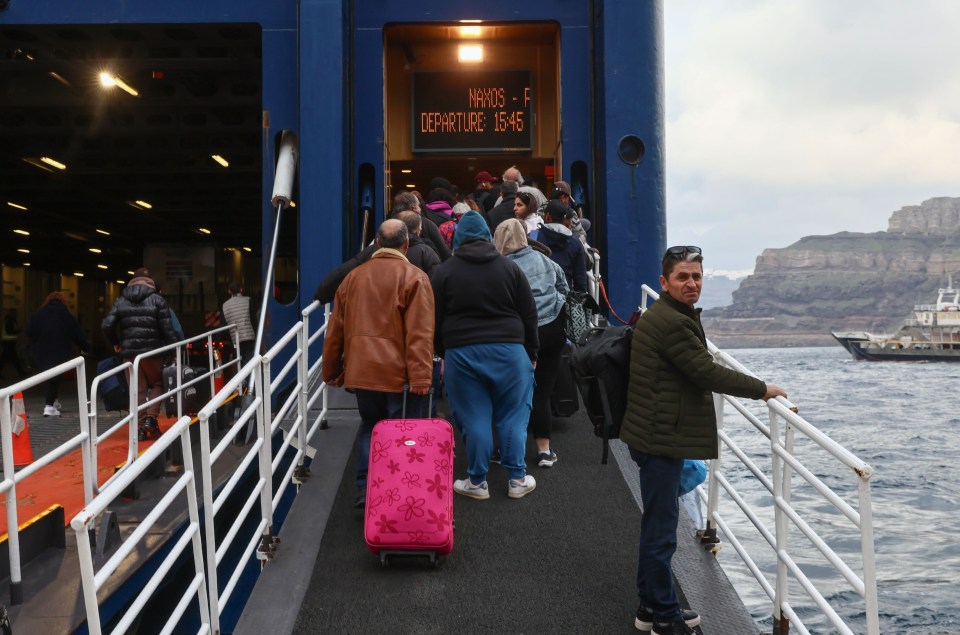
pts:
[453, 118]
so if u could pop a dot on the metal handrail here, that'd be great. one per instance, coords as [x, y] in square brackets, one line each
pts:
[780, 433]
[11, 477]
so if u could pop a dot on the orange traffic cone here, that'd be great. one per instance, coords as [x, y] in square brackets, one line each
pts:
[22, 452]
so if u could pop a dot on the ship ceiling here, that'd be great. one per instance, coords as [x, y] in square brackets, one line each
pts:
[198, 94]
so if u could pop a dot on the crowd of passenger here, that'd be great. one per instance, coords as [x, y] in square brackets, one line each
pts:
[482, 311]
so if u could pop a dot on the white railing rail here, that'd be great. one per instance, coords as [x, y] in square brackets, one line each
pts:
[782, 463]
[130, 420]
[11, 477]
[93, 578]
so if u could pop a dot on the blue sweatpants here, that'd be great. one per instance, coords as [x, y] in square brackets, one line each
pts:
[491, 382]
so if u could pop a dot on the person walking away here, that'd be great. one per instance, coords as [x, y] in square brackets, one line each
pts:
[52, 331]
[504, 209]
[487, 334]
[11, 329]
[484, 188]
[549, 286]
[670, 417]
[380, 339]
[139, 322]
[566, 250]
[237, 312]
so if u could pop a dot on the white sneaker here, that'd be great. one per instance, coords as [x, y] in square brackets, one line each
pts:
[467, 488]
[56, 404]
[522, 487]
[50, 411]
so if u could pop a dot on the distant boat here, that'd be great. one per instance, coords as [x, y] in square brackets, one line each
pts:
[931, 335]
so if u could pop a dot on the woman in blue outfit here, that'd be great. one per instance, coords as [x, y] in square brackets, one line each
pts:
[486, 331]
[549, 286]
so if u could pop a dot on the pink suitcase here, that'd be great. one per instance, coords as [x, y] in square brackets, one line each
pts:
[409, 508]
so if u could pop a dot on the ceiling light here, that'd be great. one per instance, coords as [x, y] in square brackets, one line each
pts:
[60, 78]
[101, 266]
[16, 205]
[411, 185]
[470, 53]
[54, 163]
[22, 232]
[95, 250]
[24, 251]
[248, 250]
[203, 230]
[36, 162]
[121, 282]
[103, 231]
[78, 274]
[406, 171]
[140, 204]
[471, 21]
[26, 264]
[293, 203]
[219, 159]
[130, 273]
[469, 31]
[108, 80]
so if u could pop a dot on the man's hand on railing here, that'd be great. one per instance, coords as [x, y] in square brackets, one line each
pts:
[774, 391]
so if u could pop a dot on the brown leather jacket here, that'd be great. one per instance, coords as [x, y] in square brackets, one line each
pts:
[380, 335]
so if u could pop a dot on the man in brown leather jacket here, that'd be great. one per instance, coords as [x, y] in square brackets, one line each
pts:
[380, 338]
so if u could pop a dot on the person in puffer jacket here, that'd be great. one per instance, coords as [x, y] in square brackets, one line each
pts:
[143, 319]
[566, 249]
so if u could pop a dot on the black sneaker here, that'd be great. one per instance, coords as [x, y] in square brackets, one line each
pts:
[150, 430]
[546, 459]
[644, 621]
[672, 628]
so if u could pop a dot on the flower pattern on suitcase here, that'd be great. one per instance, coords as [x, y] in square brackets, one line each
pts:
[410, 488]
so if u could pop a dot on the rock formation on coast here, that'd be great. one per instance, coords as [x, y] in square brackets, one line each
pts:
[843, 282]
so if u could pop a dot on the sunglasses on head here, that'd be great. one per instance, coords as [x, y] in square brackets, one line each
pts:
[523, 196]
[681, 252]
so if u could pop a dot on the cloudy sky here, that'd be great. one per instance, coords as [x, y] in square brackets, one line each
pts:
[787, 118]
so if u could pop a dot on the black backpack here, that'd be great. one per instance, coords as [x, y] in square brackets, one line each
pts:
[601, 370]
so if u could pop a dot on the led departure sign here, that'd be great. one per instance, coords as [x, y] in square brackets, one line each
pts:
[472, 111]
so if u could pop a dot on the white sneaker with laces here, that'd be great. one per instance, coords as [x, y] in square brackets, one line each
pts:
[50, 411]
[522, 487]
[466, 487]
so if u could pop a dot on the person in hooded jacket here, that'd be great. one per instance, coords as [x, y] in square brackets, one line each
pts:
[486, 331]
[52, 331]
[439, 207]
[142, 318]
[549, 286]
[566, 249]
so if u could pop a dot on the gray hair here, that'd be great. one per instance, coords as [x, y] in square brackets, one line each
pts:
[412, 220]
[509, 188]
[392, 234]
[404, 201]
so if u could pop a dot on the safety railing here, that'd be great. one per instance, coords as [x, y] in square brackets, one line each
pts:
[11, 477]
[773, 471]
[94, 578]
[129, 421]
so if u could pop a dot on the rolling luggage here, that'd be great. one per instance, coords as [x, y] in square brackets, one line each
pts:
[114, 390]
[194, 397]
[563, 400]
[409, 508]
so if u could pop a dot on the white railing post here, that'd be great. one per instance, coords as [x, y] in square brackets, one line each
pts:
[86, 447]
[303, 370]
[13, 531]
[326, 321]
[780, 623]
[206, 470]
[266, 460]
[709, 534]
[193, 512]
[869, 557]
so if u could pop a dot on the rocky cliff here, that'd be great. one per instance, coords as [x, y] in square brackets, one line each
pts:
[843, 282]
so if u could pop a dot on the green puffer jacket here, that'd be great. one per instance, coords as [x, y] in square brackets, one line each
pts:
[672, 375]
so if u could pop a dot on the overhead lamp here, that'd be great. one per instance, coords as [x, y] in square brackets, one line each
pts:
[406, 171]
[60, 78]
[103, 231]
[471, 21]
[219, 159]
[78, 274]
[95, 250]
[411, 185]
[109, 80]
[26, 264]
[293, 203]
[470, 52]
[140, 204]
[101, 266]
[54, 163]
[470, 31]
[121, 282]
[16, 205]
[22, 232]
[23, 251]
[248, 250]
[203, 230]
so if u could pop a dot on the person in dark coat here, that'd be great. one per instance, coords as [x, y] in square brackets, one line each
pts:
[486, 331]
[420, 255]
[143, 319]
[11, 329]
[52, 331]
[566, 249]
[670, 417]
[503, 210]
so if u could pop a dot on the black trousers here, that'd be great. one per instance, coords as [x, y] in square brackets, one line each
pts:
[552, 339]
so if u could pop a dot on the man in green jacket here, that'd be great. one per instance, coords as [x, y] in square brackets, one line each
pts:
[670, 417]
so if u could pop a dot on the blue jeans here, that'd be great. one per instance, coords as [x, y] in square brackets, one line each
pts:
[491, 382]
[659, 485]
[375, 406]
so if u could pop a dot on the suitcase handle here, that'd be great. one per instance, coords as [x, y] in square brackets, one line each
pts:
[406, 389]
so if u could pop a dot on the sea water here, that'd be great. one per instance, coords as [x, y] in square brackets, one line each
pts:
[903, 419]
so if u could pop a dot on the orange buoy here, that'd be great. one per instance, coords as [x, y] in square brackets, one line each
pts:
[22, 452]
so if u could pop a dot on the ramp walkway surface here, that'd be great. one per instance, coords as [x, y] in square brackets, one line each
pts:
[560, 560]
